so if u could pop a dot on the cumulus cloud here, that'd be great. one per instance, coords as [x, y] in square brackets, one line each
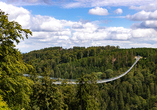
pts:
[148, 7]
[149, 19]
[49, 31]
[145, 24]
[88, 27]
[98, 11]
[143, 15]
[149, 24]
[99, 37]
[45, 23]
[139, 33]
[111, 33]
[118, 11]
[17, 14]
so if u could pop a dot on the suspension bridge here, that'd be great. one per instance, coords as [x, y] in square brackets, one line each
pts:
[73, 81]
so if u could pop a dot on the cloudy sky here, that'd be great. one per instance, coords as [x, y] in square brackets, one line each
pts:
[68, 23]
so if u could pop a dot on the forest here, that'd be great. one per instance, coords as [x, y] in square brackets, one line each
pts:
[135, 91]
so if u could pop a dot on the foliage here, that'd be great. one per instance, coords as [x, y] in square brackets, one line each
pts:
[136, 90]
[46, 95]
[3, 105]
[88, 93]
[15, 88]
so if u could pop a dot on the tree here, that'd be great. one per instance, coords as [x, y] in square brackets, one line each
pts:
[87, 93]
[46, 95]
[121, 101]
[16, 88]
[69, 93]
[109, 73]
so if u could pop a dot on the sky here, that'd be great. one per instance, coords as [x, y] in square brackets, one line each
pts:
[85, 23]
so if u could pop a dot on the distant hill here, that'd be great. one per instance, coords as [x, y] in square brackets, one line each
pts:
[71, 63]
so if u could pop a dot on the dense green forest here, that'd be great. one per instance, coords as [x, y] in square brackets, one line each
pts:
[135, 91]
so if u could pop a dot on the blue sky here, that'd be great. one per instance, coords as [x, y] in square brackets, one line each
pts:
[68, 23]
[79, 13]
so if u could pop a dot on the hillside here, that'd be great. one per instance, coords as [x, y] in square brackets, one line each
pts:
[135, 91]
[71, 63]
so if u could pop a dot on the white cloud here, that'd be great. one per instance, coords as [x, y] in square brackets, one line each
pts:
[72, 5]
[29, 2]
[17, 14]
[118, 11]
[143, 15]
[49, 31]
[45, 23]
[150, 24]
[144, 33]
[112, 33]
[98, 11]
[145, 24]
[133, 4]
[149, 19]
[102, 3]
[148, 7]
[84, 27]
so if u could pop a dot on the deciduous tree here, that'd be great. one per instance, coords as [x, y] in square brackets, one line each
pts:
[16, 88]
